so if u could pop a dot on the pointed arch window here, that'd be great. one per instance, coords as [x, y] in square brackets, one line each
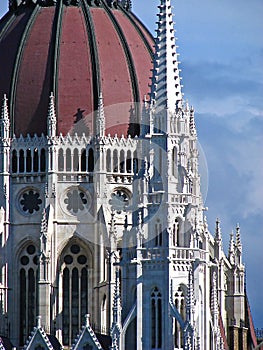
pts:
[21, 161]
[91, 160]
[108, 161]
[158, 234]
[74, 291]
[35, 160]
[14, 161]
[156, 319]
[27, 295]
[83, 160]
[178, 331]
[60, 160]
[75, 160]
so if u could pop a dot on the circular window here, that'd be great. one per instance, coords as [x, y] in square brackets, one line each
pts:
[31, 249]
[24, 260]
[30, 201]
[75, 249]
[82, 259]
[76, 200]
[119, 200]
[68, 259]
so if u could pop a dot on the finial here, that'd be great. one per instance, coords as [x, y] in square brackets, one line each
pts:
[238, 237]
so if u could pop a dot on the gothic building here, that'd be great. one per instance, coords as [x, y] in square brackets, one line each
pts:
[104, 242]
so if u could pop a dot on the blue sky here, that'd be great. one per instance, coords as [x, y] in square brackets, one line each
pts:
[221, 50]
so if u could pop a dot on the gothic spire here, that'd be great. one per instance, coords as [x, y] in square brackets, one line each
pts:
[166, 87]
[5, 122]
[51, 118]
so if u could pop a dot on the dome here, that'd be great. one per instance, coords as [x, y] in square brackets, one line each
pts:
[77, 50]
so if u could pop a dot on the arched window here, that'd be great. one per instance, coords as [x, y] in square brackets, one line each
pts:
[158, 234]
[156, 319]
[74, 291]
[35, 160]
[14, 161]
[68, 160]
[115, 161]
[180, 306]
[42, 160]
[91, 160]
[108, 161]
[174, 162]
[28, 161]
[27, 282]
[83, 160]
[76, 160]
[21, 161]
[135, 163]
[122, 162]
[128, 162]
[60, 160]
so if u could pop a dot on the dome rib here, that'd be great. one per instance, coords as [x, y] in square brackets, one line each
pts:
[131, 17]
[58, 27]
[93, 53]
[14, 79]
[9, 22]
[131, 65]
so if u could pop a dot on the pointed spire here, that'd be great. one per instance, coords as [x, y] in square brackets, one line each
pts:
[166, 86]
[218, 236]
[238, 238]
[51, 118]
[100, 122]
[192, 122]
[231, 248]
[5, 122]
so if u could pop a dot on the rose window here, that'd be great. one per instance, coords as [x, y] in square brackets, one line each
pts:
[30, 201]
[75, 200]
[119, 200]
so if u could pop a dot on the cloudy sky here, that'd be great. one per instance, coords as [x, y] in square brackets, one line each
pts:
[221, 50]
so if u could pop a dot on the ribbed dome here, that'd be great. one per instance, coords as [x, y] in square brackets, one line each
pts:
[75, 49]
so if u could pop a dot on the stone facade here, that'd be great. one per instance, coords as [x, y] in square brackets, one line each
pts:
[115, 227]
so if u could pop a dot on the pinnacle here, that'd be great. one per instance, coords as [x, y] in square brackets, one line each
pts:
[4, 112]
[166, 86]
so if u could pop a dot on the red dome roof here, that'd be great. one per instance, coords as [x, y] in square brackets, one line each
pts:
[76, 52]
